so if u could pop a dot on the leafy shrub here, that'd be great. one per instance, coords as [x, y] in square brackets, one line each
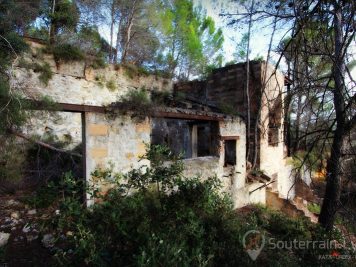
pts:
[98, 62]
[66, 189]
[111, 85]
[313, 207]
[44, 70]
[12, 107]
[157, 217]
[137, 101]
[12, 159]
[66, 52]
[161, 97]
[100, 80]
[228, 109]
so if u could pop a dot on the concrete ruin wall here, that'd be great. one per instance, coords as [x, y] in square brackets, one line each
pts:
[121, 139]
[225, 87]
[272, 156]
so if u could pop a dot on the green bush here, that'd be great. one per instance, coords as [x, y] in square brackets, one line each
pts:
[66, 52]
[313, 207]
[137, 101]
[67, 189]
[44, 70]
[228, 109]
[157, 217]
[111, 85]
[12, 159]
[98, 62]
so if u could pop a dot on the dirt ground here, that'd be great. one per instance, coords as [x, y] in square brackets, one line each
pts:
[26, 245]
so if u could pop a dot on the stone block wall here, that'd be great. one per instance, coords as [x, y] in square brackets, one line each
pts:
[119, 140]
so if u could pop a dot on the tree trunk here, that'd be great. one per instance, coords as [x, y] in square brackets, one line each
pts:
[112, 31]
[52, 27]
[297, 124]
[118, 40]
[248, 126]
[287, 128]
[128, 32]
[333, 170]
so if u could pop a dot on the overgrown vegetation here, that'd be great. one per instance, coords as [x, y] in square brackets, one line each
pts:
[65, 53]
[111, 85]
[313, 207]
[142, 102]
[155, 216]
[49, 165]
[44, 70]
[228, 109]
[312, 160]
[12, 159]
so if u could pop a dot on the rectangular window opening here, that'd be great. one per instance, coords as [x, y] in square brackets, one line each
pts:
[230, 152]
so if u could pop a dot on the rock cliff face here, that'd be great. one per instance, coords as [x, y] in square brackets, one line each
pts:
[74, 83]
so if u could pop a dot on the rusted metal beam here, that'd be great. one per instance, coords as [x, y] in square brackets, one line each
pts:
[101, 109]
[232, 137]
[80, 108]
[186, 116]
[40, 105]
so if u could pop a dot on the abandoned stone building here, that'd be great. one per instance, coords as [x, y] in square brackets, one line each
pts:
[211, 140]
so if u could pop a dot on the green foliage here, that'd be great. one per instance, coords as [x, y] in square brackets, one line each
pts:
[48, 102]
[228, 109]
[12, 159]
[43, 197]
[100, 80]
[65, 15]
[133, 71]
[111, 85]
[12, 108]
[66, 53]
[137, 101]
[40, 33]
[98, 63]
[187, 222]
[312, 160]
[313, 207]
[193, 41]
[66, 189]
[161, 98]
[44, 70]
[241, 49]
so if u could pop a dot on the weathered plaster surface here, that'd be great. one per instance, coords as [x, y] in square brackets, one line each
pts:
[65, 126]
[272, 159]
